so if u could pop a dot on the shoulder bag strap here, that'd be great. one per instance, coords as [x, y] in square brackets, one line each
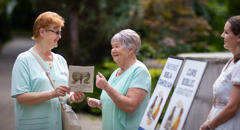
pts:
[49, 76]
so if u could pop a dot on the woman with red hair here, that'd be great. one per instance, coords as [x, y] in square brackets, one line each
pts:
[36, 101]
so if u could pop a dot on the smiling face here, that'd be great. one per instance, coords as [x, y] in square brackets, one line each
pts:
[230, 40]
[51, 35]
[119, 53]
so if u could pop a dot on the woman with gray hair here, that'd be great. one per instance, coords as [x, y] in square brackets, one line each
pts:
[126, 94]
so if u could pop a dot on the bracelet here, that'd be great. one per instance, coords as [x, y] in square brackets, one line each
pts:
[207, 127]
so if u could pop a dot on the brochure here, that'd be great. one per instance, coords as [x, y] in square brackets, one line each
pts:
[81, 78]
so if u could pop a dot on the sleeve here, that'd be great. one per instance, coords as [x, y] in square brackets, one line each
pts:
[236, 74]
[20, 82]
[141, 79]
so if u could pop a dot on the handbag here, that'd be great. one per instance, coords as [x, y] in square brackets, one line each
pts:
[70, 120]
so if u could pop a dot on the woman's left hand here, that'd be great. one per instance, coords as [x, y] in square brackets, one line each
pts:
[77, 97]
[93, 102]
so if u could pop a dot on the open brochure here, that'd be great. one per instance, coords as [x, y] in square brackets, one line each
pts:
[81, 78]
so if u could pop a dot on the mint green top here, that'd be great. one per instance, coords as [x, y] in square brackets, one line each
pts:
[28, 76]
[113, 118]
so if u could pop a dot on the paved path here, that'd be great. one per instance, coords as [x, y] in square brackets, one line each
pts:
[7, 58]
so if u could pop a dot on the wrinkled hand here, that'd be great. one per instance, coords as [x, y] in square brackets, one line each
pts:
[203, 126]
[93, 102]
[101, 81]
[77, 96]
[60, 90]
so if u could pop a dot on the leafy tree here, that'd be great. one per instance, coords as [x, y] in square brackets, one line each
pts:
[173, 26]
[22, 16]
[234, 7]
[74, 6]
[5, 33]
[217, 14]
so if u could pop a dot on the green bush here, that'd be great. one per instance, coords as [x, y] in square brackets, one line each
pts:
[155, 73]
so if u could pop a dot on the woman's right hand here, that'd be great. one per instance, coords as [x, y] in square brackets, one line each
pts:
[93, 102]
[101, 81]
[33, 98]
[60, 90]
[203, 126]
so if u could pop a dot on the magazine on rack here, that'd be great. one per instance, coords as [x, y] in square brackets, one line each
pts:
[81, 78]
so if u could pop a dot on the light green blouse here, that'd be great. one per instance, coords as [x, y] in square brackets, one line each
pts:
[28, 76]
[113, 118]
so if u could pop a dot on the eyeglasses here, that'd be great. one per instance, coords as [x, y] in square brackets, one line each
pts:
[57, 32]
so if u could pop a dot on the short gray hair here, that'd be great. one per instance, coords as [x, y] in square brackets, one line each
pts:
[128, 38]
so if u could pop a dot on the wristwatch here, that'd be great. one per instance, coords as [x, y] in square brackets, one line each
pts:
[207, 127]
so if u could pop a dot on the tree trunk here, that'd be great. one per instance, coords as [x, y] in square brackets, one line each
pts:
[74, 33]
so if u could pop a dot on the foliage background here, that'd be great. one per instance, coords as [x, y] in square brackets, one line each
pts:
[166, 27]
